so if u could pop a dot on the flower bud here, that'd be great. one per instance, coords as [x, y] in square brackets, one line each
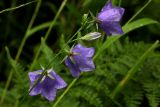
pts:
[84, 19]
[91, 36]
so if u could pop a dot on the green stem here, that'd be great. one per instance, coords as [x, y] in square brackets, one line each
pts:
[17, 7]
[138, 12]
[29, 27]
[48, 32]
[69, 41]
[21, 48]
[55, 19]
[38, 28]
[6, 87]
[132, 71]
[120, 1]
[63, 94]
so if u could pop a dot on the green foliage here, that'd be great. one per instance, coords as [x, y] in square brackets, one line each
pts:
[152, 93]
[114, 56]
[126, 28]
[93, 89]
[48, 59]
[19, 81]
[133, 99]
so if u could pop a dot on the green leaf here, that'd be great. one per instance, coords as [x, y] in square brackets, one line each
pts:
[38, 28]
[127, 28]
[48, 58]
[133, 70]
[152, 93]
[17, 7]
[138, 24]
[134, 100]
[63, 43]
[16, 67]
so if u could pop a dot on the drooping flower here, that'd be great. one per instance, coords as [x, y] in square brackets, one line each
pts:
[109, 19]
[47, 86]
[80, 60]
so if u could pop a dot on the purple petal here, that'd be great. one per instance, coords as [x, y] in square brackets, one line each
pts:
[49, 95]
[84, 63]
[107, 6]
[121, 10]
[36, 90]
[48, 84]
[88, 52]
[113, 28]
[48, 88]
[33, 78]
[33, 75]
[75, 71]
[60, 83]
[114, 14]
[109, 19]
[88, 67]
[84, 57]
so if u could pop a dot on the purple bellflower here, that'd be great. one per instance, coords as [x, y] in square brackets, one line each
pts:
[109, 19]
[47, 86]
[80, 60]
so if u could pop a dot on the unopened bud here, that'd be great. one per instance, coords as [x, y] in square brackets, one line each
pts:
[91, 36]
[84, 19]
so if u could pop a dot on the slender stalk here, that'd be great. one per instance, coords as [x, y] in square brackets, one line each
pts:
[138, 12]
[63, 94]
[6, 87]
[69, 41]
[28, 28]
[17, 7]
[55, 19]
[48, 31]
[120, 1]
[38, 28]
[132, 71]
[21, 48]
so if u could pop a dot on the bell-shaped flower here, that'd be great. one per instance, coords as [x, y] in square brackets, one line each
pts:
[80, 60]
[47, 86]
[109, 19]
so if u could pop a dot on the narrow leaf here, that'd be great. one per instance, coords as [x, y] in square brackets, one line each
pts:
[127, 28]
[15, 66]
[133, 70]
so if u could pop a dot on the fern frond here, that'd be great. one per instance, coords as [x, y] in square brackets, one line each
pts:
[134, 99]
[152, 93]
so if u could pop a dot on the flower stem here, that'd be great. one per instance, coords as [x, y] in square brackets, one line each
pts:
[28, 28]
[119, 4]
[38, 28]
[17, 7]
[48, 32]
[62, 95]
[138, 12]
[132, 71]
[21, 48]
